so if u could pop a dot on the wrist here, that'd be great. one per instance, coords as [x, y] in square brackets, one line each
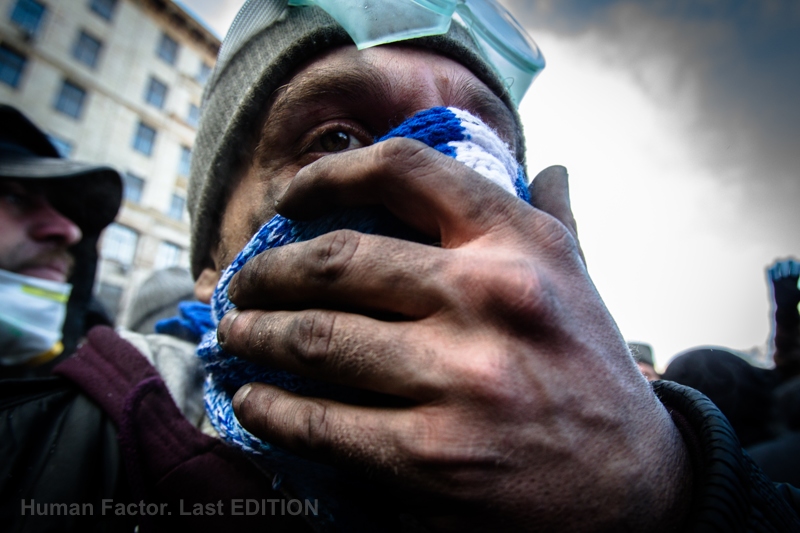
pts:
[665, 500]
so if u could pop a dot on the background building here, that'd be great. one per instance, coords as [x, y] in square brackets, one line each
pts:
[116, 82]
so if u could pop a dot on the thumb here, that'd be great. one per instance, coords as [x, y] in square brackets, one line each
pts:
[550, 193]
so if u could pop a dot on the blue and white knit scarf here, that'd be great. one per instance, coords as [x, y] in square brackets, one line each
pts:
[451, 131]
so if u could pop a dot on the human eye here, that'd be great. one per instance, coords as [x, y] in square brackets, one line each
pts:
[16, 197]
[337, 138]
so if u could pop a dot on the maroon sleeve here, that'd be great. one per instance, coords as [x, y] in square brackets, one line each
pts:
[167, 459]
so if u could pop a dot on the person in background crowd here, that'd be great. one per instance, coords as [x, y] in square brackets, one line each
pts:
[779, 458]
[743, 392]
[56, 444]
[158, 297]
[53, 211]
[91, 436]
[643, 355]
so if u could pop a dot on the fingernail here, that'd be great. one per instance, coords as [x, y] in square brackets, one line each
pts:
[232, 287]
[240, 396]
[225, 326]
[281, 194]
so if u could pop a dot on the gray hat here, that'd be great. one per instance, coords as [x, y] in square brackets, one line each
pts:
[87, 194]
[641, 352]
[158, 298]
[266, 42]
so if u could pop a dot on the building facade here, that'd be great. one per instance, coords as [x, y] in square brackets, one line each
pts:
[116, 82]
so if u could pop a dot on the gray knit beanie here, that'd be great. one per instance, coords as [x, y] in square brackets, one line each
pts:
[266, 42]
[158, 298]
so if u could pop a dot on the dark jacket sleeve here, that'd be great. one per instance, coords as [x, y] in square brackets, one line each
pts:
[60, 459]
[730, 494]
[167, 460]
[787, 341]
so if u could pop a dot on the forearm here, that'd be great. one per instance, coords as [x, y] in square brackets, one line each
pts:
[729, 492]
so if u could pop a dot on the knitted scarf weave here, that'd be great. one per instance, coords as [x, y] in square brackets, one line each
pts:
[451, 131]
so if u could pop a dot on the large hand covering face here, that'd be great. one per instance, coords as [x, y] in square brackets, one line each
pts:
[451, 131]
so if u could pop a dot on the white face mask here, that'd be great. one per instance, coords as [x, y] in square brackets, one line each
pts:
[32, 313]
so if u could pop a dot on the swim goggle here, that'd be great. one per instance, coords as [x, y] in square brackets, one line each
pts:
[504, 43]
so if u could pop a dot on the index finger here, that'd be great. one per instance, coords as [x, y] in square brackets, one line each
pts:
[427, 190]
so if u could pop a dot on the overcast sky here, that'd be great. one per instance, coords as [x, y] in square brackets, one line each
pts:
[679, 123]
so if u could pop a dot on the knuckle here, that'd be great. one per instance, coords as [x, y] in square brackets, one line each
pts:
[333, 254]
[440, 446]
[316, 423]
[517, 292]
[314, 334]
[557, 240]
[424, 447]
[524, 290]
[402, 155]
[485, 380]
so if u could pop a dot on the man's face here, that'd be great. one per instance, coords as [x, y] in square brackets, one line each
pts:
[648, 371]
[34, 237]
[341, 101]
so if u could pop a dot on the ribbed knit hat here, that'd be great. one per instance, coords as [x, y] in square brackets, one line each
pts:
[158, 298]
[265, 43]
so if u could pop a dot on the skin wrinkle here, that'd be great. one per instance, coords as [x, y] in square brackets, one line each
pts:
[299, 103]
[569, 390]
[327, 86]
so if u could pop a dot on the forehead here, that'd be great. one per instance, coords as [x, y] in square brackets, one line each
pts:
[386, 85]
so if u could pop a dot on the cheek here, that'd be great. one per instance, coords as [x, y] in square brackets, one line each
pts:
[250, 205]
[12, 230]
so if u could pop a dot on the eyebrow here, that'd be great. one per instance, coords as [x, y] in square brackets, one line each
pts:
[487, 106]
[362, 83]
[356, 84]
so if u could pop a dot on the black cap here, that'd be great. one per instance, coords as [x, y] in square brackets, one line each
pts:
[89, 195]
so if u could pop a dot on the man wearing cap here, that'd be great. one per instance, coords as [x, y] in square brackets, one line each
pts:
[643, 356]
[92, 438]
[51, 213]
[57, 445]
[519, 406]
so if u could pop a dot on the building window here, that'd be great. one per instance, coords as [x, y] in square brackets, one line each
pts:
[185, 162]
[87, 49]
[28, 15]
[204, 73]
[145, 139]
[168, 255]
[70, 99]
[167, 49]
[119, 244]
[132, 187]
[176, 207]
[193, 118]
[104, 8]
[110, 296]
[11, 66]
[156, 93]
[64, 148]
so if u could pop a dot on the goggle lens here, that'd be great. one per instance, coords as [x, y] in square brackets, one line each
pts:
[504, 42]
